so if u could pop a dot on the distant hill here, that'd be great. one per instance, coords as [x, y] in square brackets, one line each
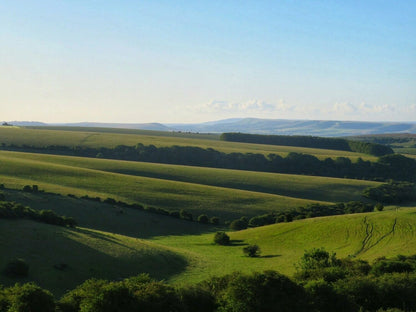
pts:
[298, 127]
[327, 128]
[143, 126]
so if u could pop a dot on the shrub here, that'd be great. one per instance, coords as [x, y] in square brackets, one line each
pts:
[379, 207]
[17, 268]
[27, 188]
[203, 219]
[261, 292]
[214, 220]
[174, 214]
[185, 215]
[221, 238]
[30, 297]
[196, 298]
[239, 224]
[252, 250]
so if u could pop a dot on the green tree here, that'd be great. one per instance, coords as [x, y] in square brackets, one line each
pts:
[30, 298]
[251, 250]
[221, 238]
[203, 219]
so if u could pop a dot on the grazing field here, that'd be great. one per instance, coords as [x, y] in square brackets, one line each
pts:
[60, 258]
[389, 233]
[305, 187]
[41, 137]
[114, 242]
[222, 202]
[108, 218]
[111, 245]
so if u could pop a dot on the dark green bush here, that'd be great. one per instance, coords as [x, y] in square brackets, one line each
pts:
[17, 268]
[221, 238]
[251, 251]
[203, 219]
[30, 298]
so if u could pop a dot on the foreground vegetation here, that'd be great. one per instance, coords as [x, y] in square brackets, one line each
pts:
[323, 283]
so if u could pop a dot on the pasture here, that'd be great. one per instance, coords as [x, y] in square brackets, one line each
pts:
[225, 203]
[110, 139]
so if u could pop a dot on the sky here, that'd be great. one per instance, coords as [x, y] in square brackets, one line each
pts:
[195, 61]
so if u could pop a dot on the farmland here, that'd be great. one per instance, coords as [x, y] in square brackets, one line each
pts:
[175, 250]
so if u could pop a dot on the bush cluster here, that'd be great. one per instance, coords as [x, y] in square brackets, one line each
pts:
[310, 141]
[12, 210]
[322, 283]
[393, 192]
[310, 211]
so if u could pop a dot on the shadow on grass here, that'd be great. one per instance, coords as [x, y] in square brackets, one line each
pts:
[237, 242]
[269, 256]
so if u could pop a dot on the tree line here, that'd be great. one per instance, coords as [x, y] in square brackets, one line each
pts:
[394, 192]
[394, 166]
[322, 282]
[12, 210]
[310, 211]
[309, 141]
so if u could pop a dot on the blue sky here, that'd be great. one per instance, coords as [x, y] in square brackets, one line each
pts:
[193, 61]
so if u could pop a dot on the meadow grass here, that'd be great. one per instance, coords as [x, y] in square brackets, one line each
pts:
[44, 137]
[59, 258]
[283, 244]
[299, 186]
[183, 252]
[196, 198]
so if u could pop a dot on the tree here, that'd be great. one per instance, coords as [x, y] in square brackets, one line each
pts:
[221, 238]
[185, 215]
[203, 219]
[30, 297]
[379, 207]
[252, 250]
[214, 220]
[17, 268]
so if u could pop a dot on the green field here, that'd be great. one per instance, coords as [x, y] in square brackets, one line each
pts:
[189, 257]
[298, 186]
[283, 244]
[42, 137]
[113, 242]
[84, 252]
[198, 199]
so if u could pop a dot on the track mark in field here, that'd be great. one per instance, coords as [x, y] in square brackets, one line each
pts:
[87, 137]
[369, 228]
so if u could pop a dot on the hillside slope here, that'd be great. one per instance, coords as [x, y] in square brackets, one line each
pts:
[365, 236]
[60, 258]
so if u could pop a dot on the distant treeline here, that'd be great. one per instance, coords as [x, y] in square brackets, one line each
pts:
[322, 283]
[392, 193]
[12, 210]
[310, 211]
[394, 166]
[310, 141]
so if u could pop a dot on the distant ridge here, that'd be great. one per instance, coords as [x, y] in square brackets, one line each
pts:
[298, 127]
[327, 128]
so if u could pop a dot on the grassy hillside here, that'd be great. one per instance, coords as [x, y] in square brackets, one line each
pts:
[108, 218]
[282, 245]
[305, 187]
[215, 201]
[42, 137]
[61, 258]
[183, 252]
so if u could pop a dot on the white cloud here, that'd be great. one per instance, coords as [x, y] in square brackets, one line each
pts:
[251, 106]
